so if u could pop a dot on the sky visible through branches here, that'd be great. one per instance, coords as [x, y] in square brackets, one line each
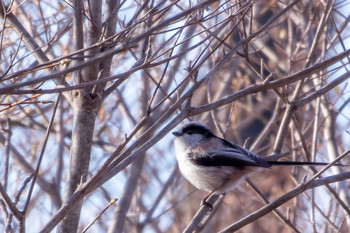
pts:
[90, 92]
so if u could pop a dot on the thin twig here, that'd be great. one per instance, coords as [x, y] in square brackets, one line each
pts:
[48, 131]
[114, 200]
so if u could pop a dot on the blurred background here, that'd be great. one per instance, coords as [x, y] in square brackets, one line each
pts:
[144, 68]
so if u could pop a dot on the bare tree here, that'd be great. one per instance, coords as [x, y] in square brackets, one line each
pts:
[91, 89]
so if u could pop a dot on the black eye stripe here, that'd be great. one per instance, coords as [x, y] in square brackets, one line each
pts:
[197, 129]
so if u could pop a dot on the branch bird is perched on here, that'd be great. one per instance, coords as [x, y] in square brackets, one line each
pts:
[215, 165]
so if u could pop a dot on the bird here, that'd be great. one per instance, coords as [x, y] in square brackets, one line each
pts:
[215, 165]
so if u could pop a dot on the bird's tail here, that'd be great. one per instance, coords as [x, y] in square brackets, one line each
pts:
[296, 163]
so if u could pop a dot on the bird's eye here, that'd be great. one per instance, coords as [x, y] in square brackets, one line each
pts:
[190, 132]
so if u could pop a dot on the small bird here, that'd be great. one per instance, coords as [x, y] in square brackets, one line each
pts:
[215, 165]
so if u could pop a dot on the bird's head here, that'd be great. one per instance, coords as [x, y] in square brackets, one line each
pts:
[192, 134]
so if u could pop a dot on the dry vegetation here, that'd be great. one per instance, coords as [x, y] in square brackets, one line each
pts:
[90, 91]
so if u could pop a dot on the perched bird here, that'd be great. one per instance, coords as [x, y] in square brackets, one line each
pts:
[215, 165]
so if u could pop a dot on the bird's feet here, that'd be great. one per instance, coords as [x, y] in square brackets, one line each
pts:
[205, 203]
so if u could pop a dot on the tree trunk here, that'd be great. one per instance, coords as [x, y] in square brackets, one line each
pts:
[85, 109]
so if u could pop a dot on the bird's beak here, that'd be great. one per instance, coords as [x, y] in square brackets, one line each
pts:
[176, 134]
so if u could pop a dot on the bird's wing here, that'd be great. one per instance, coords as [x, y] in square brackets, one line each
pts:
[231, 155]
[223, 158]
[236, 148]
